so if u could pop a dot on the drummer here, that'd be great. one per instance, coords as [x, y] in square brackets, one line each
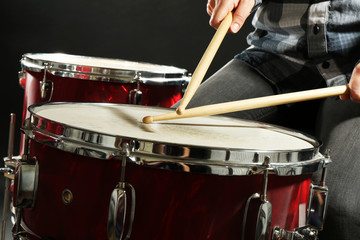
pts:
[300, 45]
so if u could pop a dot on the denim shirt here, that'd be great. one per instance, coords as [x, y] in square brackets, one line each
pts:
[307, 37]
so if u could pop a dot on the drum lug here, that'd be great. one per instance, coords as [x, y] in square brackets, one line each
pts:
[27, 175]
[46, 85]
[303, 233]
[119, 220]
[265, 210]
[135, 95]
[264, 216]
[317, 205]
[27, 183]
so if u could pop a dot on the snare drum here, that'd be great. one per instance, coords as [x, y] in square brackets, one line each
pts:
[98, 172]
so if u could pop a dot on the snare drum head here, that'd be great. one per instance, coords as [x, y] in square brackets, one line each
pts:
[221, 139]
[106, 69]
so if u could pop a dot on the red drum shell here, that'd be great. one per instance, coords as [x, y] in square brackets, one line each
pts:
[169, 204]
[192, 177]
[80, 88]
[91, 182]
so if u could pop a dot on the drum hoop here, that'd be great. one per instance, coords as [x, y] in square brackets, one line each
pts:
[170, 76]
[104, 146]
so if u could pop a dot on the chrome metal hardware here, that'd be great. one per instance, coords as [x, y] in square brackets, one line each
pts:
[317, 206]
[6, 206]
[120, 223]
[118, 227]
[104, 69]
[264, 216]
[46, 85]
[8, 170]
[318, 198]
[304, 233]
[27, 177]
[316, 211]
[254, 196]
[135, 95]
[265, 210]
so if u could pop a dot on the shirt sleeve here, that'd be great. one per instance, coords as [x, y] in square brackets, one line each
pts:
[256, 5]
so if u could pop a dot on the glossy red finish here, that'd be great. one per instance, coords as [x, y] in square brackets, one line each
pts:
[91, 182]
[80, 90]
[169, 204]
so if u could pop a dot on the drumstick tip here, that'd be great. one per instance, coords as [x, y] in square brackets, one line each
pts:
[179, 111]
[148, 119]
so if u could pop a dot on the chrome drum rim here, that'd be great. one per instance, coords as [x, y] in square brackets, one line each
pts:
[167, 155]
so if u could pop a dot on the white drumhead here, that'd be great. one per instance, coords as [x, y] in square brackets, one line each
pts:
[104, 69]
[212, 132]
[101, 62]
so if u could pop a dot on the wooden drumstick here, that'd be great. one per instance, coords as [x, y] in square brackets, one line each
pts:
[205, 62]
[252, 103]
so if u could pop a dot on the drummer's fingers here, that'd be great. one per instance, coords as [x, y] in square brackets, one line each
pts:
[210, 7]
[220, 9]
[354, 84]
[240, 15]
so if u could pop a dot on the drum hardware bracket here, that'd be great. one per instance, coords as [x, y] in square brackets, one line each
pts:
[264, 216]
[27, 175]
[318, 199]
[10, 163]
[46, 84]
[27, 184]
[265, 210]
[316, 211]
[117, 217]
[135, 95]
[118, 227]
[303, 233]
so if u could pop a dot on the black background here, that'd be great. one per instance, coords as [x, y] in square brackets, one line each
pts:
[159, 31]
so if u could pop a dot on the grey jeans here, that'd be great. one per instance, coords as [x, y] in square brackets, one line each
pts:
[335, 122]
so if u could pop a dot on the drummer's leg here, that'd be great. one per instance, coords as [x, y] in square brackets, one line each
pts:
[235, 81]
[340, 131]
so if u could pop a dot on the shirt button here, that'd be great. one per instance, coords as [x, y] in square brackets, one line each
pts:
[326, 65]
[316, 29]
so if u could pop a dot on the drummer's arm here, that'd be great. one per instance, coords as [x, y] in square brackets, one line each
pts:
[218, 9]
[354, 85]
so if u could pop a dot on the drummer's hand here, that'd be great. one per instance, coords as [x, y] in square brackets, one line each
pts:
[354, 86]
[218, 9]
